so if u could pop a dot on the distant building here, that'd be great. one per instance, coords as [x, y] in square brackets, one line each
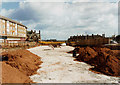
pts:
[85, 37]
[90, 40]
[11, 30]
[52, 40]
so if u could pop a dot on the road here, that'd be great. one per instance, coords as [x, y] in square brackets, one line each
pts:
[59, 67]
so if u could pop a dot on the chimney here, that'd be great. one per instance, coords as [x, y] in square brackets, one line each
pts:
[92, 35]
[87, 36]
[39, 35]
[103, 35]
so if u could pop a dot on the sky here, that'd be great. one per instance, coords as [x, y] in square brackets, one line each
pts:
[60, 19]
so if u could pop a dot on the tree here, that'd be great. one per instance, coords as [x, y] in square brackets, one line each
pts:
[117, 38]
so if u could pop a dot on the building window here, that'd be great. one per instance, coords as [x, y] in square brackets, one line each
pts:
[3, 26]
[3, 21]
[7, 32]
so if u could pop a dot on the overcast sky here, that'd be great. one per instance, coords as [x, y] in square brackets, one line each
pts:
[62, 18]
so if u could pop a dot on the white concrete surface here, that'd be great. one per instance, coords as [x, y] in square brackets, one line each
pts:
[60, 67]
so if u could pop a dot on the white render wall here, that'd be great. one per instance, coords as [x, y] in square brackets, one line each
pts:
[8, 28]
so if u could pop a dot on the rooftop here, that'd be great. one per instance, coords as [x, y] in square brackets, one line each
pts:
[5, 18]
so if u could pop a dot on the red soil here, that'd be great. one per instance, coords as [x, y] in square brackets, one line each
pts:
[18, 65]
[103, 59]
[13, 75]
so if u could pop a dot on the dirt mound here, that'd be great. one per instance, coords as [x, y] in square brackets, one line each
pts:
[109, 65]
[22, 60]
[103, 59]
[86, 54]
[12, 75]
[117, 53]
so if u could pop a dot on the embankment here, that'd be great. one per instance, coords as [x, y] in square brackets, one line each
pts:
[18, 65]
[103, 59]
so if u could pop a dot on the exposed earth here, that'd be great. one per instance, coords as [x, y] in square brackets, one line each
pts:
[18, 65]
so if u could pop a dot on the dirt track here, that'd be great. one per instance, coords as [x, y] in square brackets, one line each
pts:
[59, 67]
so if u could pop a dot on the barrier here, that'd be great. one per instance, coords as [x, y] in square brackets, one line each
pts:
[12, 44]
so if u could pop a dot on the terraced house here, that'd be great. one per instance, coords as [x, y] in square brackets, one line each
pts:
[11, 30]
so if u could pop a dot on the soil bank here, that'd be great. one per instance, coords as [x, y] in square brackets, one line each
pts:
[18, 65]
[103, 59]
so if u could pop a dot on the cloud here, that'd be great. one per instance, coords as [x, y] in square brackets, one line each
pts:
[13, 0]
[6, 12]
[0, 5]
[69, 1]
[61, 20]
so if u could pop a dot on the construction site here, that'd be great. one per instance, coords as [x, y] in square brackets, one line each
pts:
[26, 58]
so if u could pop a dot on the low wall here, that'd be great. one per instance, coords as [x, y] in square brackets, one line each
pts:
[17, 44]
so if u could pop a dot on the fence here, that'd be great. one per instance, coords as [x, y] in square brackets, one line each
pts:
[13, 44]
